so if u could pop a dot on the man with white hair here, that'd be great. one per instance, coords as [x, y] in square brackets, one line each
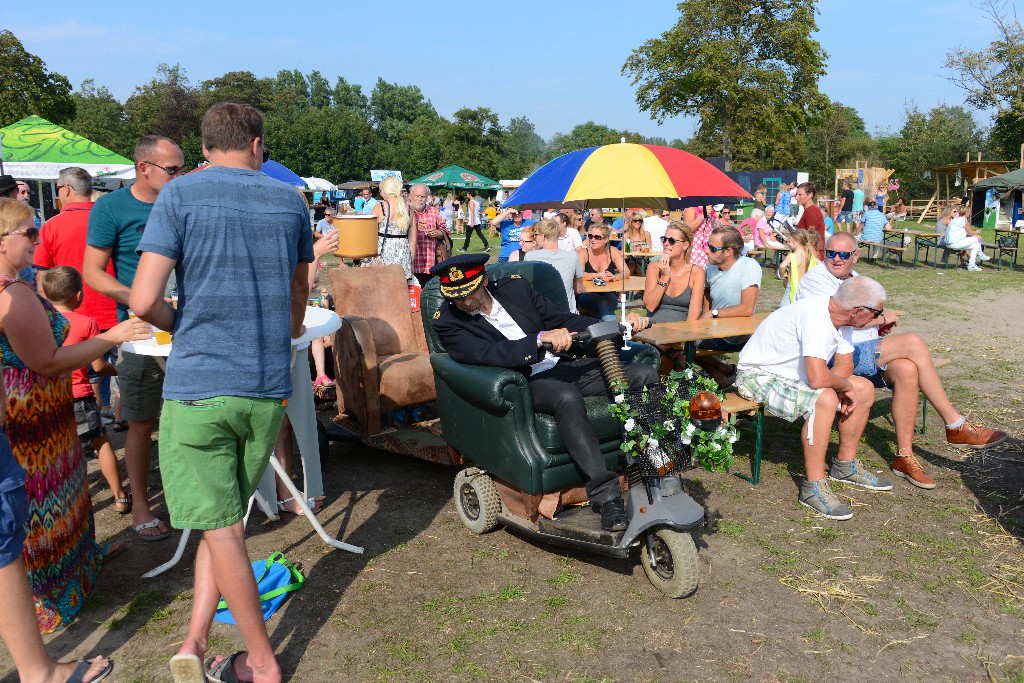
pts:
[899, 361]
[786, 366]
[431, 230]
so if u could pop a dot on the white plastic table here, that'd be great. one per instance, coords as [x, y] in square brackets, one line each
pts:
[301, 413]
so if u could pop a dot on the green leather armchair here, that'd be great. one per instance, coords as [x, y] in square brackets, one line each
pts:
[487, 413]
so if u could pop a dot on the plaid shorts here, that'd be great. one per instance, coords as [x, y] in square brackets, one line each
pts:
[858, 216]
[781, 396]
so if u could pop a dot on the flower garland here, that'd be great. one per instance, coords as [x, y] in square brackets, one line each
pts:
[712, 450]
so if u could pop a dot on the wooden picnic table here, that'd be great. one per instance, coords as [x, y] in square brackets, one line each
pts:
[688, 333]
[635, 283]
[928, 239]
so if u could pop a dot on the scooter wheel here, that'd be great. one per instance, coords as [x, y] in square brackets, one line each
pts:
[676, 573]
[477, 500]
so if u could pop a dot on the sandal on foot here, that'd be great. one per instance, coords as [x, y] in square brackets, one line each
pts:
[124, 503]
[119, 426]
[323, 380]
[187, 669]
[111, 549]
[313, 503]
[82, 665]
[151, 524]
[223, 671]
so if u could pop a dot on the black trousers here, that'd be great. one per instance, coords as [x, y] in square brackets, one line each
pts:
[559, 392]
[469, 233]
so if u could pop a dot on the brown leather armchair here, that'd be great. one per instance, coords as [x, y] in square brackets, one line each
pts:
[380, 355]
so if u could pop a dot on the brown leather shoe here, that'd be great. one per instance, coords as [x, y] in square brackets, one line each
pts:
[971, 435]
[906, 466]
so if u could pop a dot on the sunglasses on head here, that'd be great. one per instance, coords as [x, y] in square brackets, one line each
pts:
[595, 237]
[671, 241]
[876, 311]
[832, 253]
[30, 233]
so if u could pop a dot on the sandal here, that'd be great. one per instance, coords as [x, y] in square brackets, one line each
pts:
[82, 665]
[123, 505]
[313, 504]
[323, 380]
[111, 549]
[119, 426]
[151, 524]
[222, 671]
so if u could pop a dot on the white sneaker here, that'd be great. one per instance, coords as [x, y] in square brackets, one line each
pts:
[982, 256]
[973, 268]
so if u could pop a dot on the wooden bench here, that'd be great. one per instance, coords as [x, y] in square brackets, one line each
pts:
[734, 404]
[887, 249]
[754, 253]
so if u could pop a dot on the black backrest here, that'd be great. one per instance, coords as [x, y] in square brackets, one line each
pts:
[541, 276]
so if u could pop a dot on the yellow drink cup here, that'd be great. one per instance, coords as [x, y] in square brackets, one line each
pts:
[162, 338]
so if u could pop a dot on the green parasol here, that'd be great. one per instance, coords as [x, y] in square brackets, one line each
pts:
[35, 149]
[456, 177]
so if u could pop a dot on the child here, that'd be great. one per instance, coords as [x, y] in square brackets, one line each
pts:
[62, 286]
[804, 246]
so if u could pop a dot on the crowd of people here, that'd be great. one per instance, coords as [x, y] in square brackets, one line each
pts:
[158, 255]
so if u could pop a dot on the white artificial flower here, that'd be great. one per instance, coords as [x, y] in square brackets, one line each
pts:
[652, 443]
[619, 398]
[715, 446]
[630, 423]
[734, 437]
[685, 438]
[670, 425]
[690, 428]
[688, 373]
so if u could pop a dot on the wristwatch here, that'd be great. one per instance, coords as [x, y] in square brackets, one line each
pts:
[714, 312]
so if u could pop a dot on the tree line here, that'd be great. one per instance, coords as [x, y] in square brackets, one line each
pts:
[752, 87]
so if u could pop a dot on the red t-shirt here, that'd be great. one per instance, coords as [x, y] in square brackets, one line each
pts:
[62, 243]
[82, 327]
[814, 219]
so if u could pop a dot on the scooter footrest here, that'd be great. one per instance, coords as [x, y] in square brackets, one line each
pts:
[579, 523]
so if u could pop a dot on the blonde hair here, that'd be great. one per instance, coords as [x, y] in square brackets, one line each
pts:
[546, 228]
[12, 212]
[392, 187]
[687, 234]
[636, 234]
[806, 243]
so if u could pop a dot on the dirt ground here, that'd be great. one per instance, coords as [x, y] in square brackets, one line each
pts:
[919, 586]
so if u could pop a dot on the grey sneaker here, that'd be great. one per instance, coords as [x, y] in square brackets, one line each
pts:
[818, 496]
[852, 472]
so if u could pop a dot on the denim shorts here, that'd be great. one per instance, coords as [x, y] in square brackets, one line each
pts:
[13, 506]
[865, 361]
[843, 217]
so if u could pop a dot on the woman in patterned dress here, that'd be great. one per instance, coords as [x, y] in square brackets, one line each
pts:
[61, 554]
[396, 236]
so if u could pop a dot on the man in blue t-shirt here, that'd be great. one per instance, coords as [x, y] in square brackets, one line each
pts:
[241, 246]
[509, 223]
[116, 223]
[733, 282]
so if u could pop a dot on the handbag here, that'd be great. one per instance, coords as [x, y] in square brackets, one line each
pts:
[443, 249]
[276, 577]
[1008, 242]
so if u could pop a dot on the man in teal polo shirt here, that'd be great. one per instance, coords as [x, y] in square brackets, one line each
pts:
[115, 228]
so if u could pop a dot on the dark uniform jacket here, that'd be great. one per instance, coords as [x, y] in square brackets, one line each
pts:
[471, 339]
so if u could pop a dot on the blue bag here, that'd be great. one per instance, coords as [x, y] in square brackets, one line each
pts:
[276, 577]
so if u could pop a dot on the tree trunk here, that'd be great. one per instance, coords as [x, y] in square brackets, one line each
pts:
[727, 139]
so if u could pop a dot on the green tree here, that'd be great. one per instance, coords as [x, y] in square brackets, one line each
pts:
[100, 117]
[474, 140]
[168, 105]
[993, 77]
[291, 92]
[320, 91]
[238, 86]
[749, 71]
[944, 135]
[836, 141]
[327, 143]
[350, 96]
[522, 149]
[587, 134]
[394, 107]
[26, 87]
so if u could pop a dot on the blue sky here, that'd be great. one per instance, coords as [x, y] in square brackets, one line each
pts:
[556, 62]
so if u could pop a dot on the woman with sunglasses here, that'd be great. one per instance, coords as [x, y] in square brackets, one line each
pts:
[674, 291]
[600, 260]
[961, 236]
[639, 239]
[61, 553]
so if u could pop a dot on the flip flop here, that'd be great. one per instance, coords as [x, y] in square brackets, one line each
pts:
[111, 549]
[187, 669]
[151, 524]
[82, 665]
[222, 671]
[313, 503]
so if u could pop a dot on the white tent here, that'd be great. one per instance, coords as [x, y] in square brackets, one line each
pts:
[320, 185]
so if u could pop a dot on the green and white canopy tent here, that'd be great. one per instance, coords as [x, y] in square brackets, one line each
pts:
[35, 149]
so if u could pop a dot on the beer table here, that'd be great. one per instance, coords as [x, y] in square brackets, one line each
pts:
[301, 413]
[688, 333]
[635, 283]
[922, 238]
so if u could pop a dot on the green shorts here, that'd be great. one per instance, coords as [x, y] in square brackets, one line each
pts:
[141, 381]
[212, 456]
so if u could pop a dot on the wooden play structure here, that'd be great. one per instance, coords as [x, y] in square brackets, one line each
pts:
[867, 178]
[953, 181]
